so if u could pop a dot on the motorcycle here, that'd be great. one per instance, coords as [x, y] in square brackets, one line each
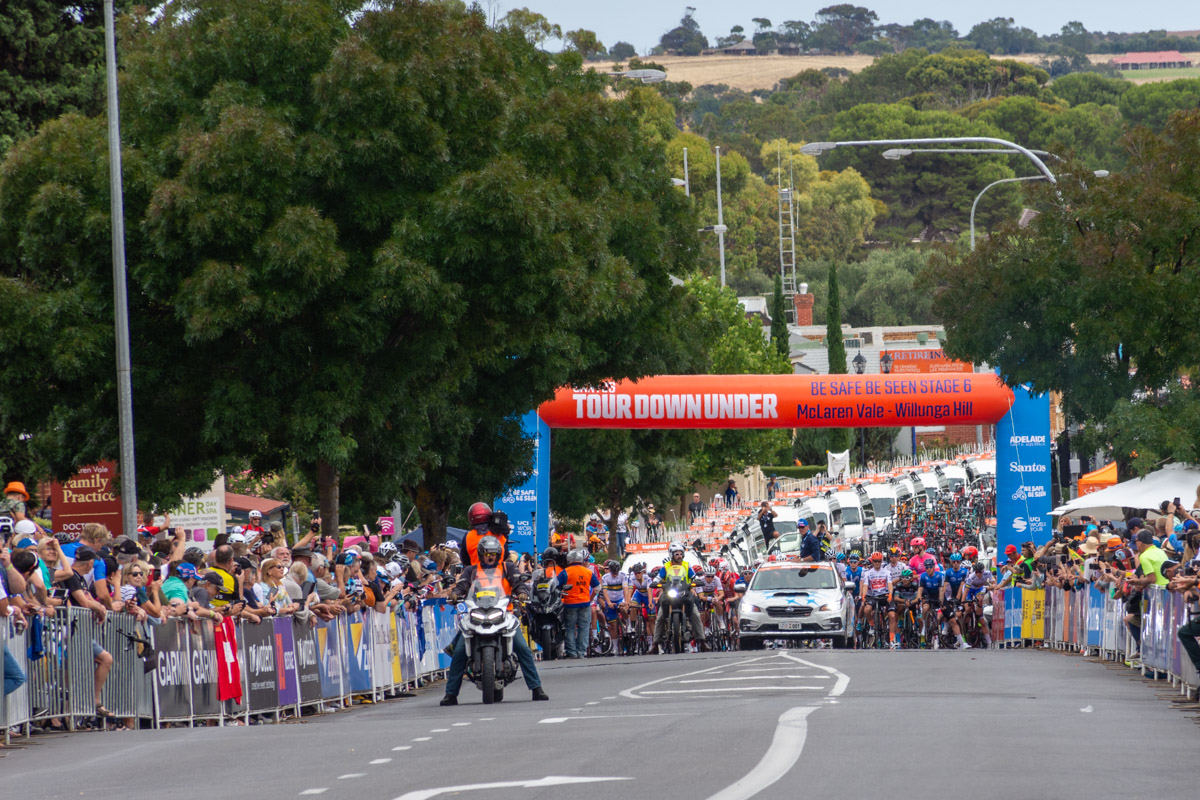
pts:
[545, 609]
[488, 628]
[673, 602]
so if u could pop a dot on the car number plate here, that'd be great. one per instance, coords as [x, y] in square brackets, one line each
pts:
[791, 626]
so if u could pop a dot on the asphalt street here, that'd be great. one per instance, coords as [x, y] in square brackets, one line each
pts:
[770, 725]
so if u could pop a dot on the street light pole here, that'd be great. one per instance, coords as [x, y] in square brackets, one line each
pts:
[720, 219]
[120, 294]
[990, 185]
[687, 186]
[816, 148]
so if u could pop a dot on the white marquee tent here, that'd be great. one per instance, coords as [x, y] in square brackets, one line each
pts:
[1173, 480]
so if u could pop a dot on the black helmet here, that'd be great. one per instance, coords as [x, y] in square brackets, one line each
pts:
[550, 554]
[489, 544]
[612, 563]
[978, 565]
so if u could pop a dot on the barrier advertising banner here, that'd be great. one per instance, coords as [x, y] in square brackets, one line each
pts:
[358, 651]
[285, 662]
[308, 674]
[172, 673]
[528, 505]
[261, 674]
[1095, 612]
[907, 362]
[1033, 614]
[330, 659]
[205, 690]
[1023, 471]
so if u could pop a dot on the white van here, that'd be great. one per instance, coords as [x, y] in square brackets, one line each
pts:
[852, 515]
[926, 482]
[883, 498]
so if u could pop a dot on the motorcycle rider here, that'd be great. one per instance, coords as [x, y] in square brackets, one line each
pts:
[676, 568]
[550, 568]
[491, 568]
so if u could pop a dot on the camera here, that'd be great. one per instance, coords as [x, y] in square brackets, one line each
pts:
[498, 524]
[6, 527]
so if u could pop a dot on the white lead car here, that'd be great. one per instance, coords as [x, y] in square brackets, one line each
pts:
[794, 600]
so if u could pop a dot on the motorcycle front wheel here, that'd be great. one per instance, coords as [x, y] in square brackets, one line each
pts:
[487, 666]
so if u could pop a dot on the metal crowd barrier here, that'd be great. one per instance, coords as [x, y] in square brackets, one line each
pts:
[1089, 622]
[185, 671]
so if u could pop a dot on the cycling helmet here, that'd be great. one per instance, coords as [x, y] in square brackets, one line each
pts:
[718, 563]
[255, 514]
[930, 563]
[638, 567]
[401, 560]
[894, 550]
[387, 550]
[970, 553]
[479, 514]
[550, 554]
[918, 541]
[675, 547]
[489, 544]
[907, 573]
[612, 563]
[956, 556]
[591, 558]
[710, 570]
[576, 557]
[877, 556]
[854, 556]
[978, 566]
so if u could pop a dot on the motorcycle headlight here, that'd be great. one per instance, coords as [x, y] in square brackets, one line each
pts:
[494, 615]
[672, 593]
[478, 616]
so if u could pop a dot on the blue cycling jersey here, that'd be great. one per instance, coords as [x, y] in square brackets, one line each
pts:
[931, 583]
[956, 577]
[853, 578]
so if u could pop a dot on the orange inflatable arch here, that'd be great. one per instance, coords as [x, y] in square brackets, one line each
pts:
[783, 401]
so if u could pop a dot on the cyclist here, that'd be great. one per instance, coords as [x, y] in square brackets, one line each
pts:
[956, 574]
[904, 596]
[895, 563]
[638, 595]
[612, 597]
[931, 593]
[917, 562]
[973, 591]
[712, 595]
[839, 563]
[729, 581]
[876, 595]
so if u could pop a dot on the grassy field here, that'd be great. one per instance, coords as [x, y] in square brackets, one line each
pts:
[763, 72]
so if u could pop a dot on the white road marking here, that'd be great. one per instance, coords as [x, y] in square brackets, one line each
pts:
[315, 791]
[780, 757]
[593, 703]
[765, 669]
[613, 697]
[632, 693]
[402, 747]
[440, 730]
[549, 780]
[486, 719]
[381, 761]
[757, 678]
[843, 680]
[422, 738]
[460, 724]
[556, 720]
[349, 775]
[732, 689]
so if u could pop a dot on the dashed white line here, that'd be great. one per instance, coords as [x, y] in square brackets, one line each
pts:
[440, 730]
[402, 747]
[612, 697]
[381, 761]
[486, 719]
[593, 703]
[460, 724]
[422, 738]
[349, 775]
[315, 791]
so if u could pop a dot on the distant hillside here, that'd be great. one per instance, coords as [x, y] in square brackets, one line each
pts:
[763, 72]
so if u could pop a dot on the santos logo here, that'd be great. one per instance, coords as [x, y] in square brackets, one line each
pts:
[1016, 440]
[1015, 467]
[1019, 524]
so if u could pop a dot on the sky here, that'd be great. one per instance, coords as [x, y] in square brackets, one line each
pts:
[641, 22]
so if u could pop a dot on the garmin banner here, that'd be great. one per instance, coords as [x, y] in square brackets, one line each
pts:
[528, 505]
[1023, 472]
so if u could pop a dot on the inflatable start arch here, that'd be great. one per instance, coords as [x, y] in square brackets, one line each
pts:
[808, 401]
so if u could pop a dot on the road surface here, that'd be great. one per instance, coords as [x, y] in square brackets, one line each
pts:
[770, 725]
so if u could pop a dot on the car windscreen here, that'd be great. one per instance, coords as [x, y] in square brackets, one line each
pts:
[785, 526]
[851, 516]
[817, 516]
[766, 580]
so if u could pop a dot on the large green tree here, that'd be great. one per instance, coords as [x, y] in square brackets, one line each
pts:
[365, 247]
[51, 62]
[1063, 304]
